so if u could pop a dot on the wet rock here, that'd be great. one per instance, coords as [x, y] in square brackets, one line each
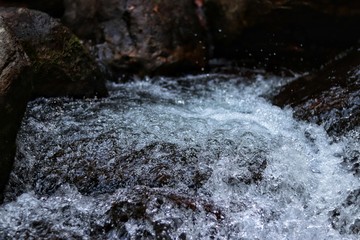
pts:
[250, 172]
[146, 37]
[39, 57]
[61, 65]
[144, 204]
[272, 34]
[156, 165]
[136, 213]
[330, 96]
[165, 164]
[15, 82]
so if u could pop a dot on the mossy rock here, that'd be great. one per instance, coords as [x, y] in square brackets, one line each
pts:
[38, 57]
[61, 65]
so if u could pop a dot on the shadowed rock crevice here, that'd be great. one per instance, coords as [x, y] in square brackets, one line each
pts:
[299, 35]
[54, 8]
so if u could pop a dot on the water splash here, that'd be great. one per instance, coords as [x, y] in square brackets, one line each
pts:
[187, 158]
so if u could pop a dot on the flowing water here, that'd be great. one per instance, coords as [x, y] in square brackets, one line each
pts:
[201, 157]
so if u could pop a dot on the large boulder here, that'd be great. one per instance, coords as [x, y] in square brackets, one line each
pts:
[172, 37]
[330, 96]
[38, 57]
[60, 63]
[139, 36]
[14, 93]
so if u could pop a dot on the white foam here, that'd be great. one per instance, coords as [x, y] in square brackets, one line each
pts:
[231, 124]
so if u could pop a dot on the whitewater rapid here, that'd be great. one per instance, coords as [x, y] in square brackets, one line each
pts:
[198, 157]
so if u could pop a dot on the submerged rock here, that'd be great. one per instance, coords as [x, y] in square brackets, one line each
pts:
[60, 64]
[14, 94]
[351, 156]
[135, 213]
[137, 36]
[145, 205]
[156, 165]
[99, 159]
[330, 96]
[340, 219]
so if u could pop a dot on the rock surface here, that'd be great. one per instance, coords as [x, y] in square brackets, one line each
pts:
[167, 37]
[14, 93]
[61, 65]
[330, 96]
[137, 36]
[38, 57]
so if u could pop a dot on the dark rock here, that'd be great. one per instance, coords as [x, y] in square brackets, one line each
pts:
[61, 65]
[227, 19]
[143, 204]
[157, 165]
[300, 35]
[15, 82]
[137, 36]
[82, 17]
[54, 8]
[330, 96]
[172, 37]
[39, 57]
[251, 173]
[134, 213]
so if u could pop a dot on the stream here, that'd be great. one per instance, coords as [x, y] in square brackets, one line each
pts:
[196, 157]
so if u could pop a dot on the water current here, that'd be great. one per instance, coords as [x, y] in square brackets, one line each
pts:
[199, 157]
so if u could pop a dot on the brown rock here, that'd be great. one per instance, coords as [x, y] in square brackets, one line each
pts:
[140, 36]
[15, 82]
[330, 96]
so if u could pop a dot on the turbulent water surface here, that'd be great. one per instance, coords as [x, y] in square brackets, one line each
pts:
[201, 157]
